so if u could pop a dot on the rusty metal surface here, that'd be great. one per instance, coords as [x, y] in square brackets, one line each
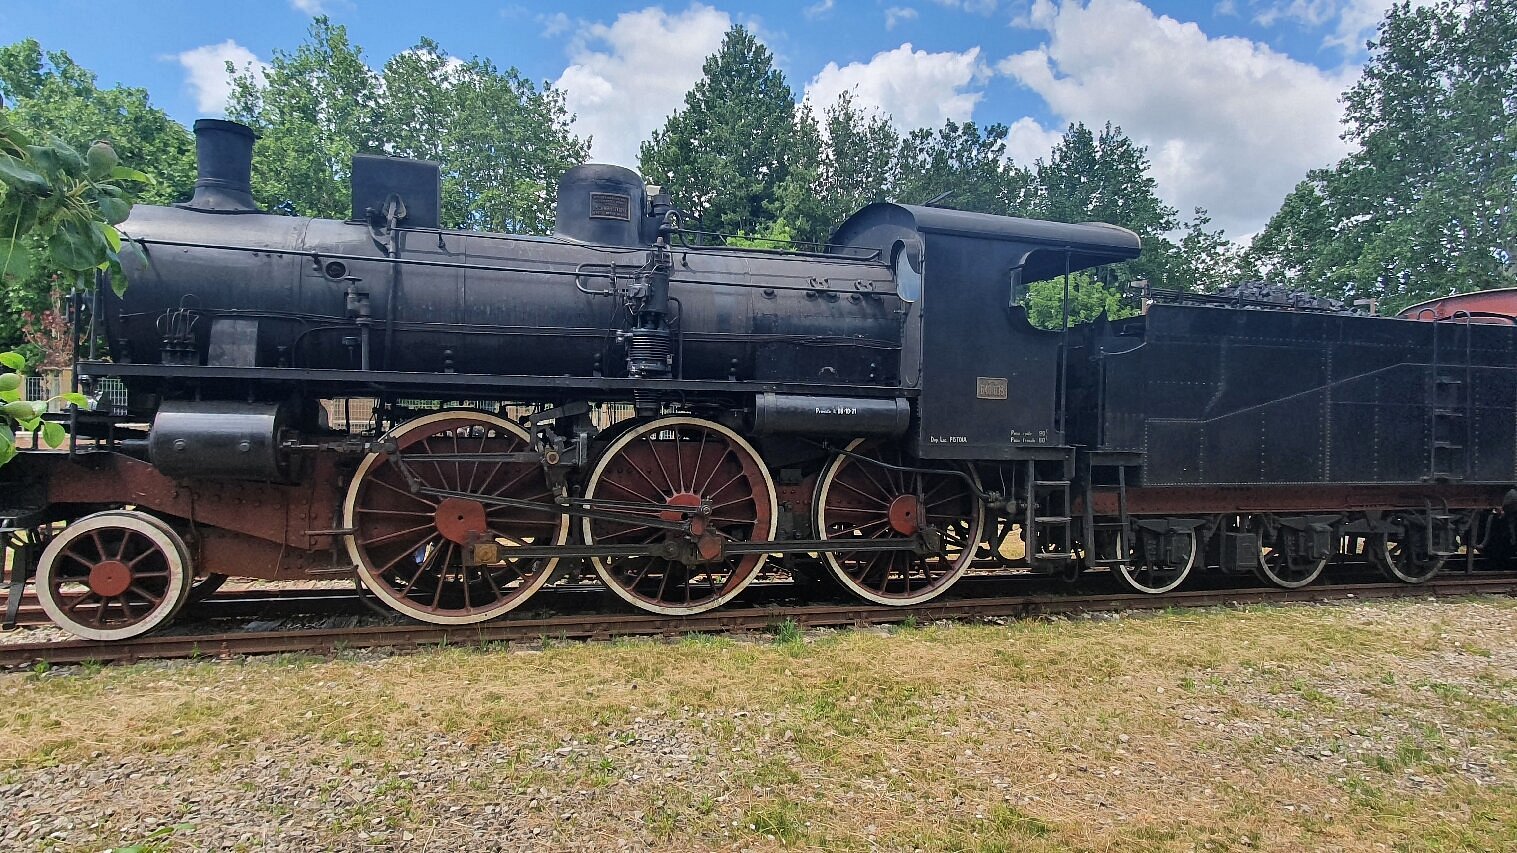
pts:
[596, 627]
[1478, 307]
[269, 511]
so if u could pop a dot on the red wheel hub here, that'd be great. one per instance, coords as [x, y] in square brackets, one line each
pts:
[905, 514]
[110, 578]
[460, 520]
[683, 500]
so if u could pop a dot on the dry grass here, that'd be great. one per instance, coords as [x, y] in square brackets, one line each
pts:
[1378, 726]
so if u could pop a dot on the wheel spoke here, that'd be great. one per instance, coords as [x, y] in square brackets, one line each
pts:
[438, 587]
[729, 477]
[899, 576]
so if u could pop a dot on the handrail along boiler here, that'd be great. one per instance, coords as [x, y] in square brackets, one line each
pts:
[618, 402]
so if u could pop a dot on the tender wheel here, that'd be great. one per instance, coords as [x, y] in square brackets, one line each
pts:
[410, 548]
[857, 502]
[670, 465]
[1405, 558]
[1282, 565]
[113, 575]
[1154, 569]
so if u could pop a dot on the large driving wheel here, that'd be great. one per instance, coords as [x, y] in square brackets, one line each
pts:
[113, 575]
[859, 501]
[662, 470]
[414, 550]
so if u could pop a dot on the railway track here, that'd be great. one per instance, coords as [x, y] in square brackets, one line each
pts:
[600, 626]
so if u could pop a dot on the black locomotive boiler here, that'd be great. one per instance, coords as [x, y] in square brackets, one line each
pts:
[623, 402]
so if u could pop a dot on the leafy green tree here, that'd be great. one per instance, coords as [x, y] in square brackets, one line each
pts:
[66, 204]
[1105, 178]
[965, 166]
[1205, 260]
[840, 164]
[1089, 298]
[501, 141]
[49, 94]
[1424, 207]
[313, 110]
[50, 101]
[725, 154]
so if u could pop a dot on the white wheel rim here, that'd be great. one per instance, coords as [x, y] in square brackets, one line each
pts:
[847, 580]
[1128, 572]
[1271, 576]
[380, 588]
[1391, 565]
[610, 453]
[158, 533]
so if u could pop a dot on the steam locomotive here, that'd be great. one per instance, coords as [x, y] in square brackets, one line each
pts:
[621, 401]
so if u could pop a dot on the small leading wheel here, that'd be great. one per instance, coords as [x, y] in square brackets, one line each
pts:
[1158, 562]
[113, 575]
[1405, 557]
[1280, 559]
[670, 466]
[858, 501]
[410, 548]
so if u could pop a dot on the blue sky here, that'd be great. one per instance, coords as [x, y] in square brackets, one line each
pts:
[1235, 99]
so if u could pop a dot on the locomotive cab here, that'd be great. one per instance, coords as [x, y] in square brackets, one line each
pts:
[988, 380]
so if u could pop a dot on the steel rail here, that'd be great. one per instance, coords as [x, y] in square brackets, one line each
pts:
[607, 626]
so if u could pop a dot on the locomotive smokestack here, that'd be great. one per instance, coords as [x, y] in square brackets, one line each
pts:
[224, 154]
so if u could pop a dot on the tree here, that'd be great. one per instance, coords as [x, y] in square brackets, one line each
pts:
[965, 166]
[50, 95]
[1208, 260]
[840, 164]
[725, 154]
[1089, 178]
[1089, 298]
[51, 101]
[313, 110]
[1424, 207]
[68, 204]
[501, 142]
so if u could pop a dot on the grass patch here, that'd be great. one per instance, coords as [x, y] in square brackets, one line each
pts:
[1030, 736]
[788, 633]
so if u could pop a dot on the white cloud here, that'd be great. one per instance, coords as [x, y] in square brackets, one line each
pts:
[1230, 124]
[1028, 141]
[555, 24]
[916, 88]
[206, 75]
[896, 14]
[1356, 23]
[978, 7]
[626, 77]
[818, 9]
[1312, 13]
[321, 7]
[1351, 21]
